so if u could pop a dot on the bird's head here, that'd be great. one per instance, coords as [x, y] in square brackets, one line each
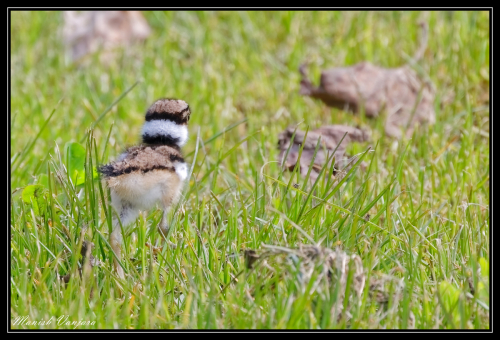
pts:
[166, 123]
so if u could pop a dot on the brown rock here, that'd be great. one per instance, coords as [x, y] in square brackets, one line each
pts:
[398, 91]
[331, 136]
[87, 31]
[87, 259]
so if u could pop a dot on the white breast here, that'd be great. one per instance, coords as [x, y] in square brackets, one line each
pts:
[144, 190]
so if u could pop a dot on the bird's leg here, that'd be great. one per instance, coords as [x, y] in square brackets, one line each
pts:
[163, 227]
[116, 241]
[127, 214]
[168, 200]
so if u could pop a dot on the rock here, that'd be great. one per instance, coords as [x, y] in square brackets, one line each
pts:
[407, 100]
[331, 135]
[88, 31]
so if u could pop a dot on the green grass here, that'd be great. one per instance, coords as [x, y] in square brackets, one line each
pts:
[427, 197]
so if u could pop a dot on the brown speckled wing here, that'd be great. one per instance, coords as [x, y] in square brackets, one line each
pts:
[143, 158]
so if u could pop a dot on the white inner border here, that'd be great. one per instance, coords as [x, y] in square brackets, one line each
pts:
[163, 127]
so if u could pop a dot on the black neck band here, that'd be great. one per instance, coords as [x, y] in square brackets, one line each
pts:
[160, 140]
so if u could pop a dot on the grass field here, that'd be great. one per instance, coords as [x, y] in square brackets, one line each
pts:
[426, 238]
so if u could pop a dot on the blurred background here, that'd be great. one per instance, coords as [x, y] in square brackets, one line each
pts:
[227, 65]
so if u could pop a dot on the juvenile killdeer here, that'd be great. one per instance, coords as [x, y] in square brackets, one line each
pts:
[150, 173]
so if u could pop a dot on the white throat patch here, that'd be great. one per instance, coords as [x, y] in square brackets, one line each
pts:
[182, 170]
[163, 127]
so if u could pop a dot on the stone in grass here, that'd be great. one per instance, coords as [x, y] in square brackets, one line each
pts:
[331, 135]
[327, 267]
[87, 260]
[407, 99]
[333, 267]
[89, 31]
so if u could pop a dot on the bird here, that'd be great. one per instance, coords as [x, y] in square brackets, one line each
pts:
[150, 173]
